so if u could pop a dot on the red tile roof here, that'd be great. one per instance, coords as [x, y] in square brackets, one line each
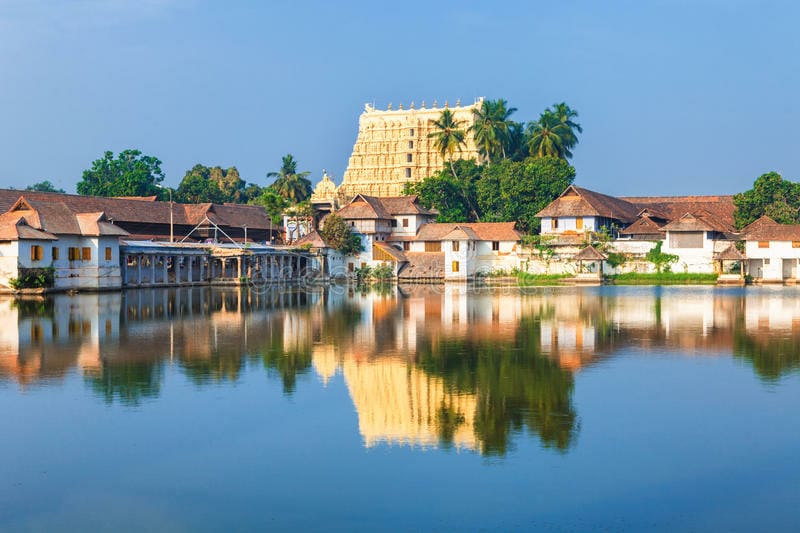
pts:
[766, 229]
[485, 231]
[578, 202]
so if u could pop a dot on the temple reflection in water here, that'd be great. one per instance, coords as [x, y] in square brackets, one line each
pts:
[441, 366]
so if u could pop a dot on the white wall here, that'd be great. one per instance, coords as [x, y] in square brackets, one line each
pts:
[694, 260]
[768, 263]
[568, 224]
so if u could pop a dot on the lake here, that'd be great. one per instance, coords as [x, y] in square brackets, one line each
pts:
[420, 408]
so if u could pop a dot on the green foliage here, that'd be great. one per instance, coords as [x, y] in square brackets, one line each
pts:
[554, 134]
[527, 279]
[492, 129]
[448, 137]
[663, 278]
[660, 260]
[772, 196]
[203, 184]
[291, 185]
[383, 272]
[43, 186]
[516, 191]
[273, 203]
[615, 259]
[338, 235]
[454, 197]
[33, 278]
[129, 174]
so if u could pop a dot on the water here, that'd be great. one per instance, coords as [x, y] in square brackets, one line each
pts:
[420, 409]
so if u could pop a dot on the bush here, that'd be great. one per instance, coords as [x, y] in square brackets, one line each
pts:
[34, 278]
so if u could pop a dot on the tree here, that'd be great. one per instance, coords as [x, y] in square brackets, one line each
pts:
[771, 195]
[198, 187]
[290, 184]
[448, 137]
[516, 191]
[129, 174]
[491, 128]
[337, 234]
[454, 197]
[554, 133]
[660, 260]
[43, 186]
[273, 203]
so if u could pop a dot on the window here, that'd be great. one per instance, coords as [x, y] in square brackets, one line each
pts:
[409, 158]
[766, 261]
[456, 246]
[579, 223]
[455, 266]
[686, 239]
[108, 253]
[408, 172]
[433, 246]
[410, 145]
[795, 244]
[86, 253]
[394, 222]
[405, 222]
[36, 253]
[350, 267]
[73, 254]
[411, 132]
[54, 253]
[554, 223]
[406, 246]
[763, 244]
[495, 246]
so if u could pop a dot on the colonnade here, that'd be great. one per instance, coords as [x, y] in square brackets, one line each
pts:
[156, 268]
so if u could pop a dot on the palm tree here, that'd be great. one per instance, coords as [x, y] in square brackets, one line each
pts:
[565, 115]
[548, 136]
[448, 137]
[290, 184]
[492, 128]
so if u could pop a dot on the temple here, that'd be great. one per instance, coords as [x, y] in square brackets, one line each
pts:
[393, 148]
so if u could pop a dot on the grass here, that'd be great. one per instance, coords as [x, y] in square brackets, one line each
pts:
[525, 278]
[664, 278]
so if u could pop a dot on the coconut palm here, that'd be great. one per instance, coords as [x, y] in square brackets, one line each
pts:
[565, 115]
[290, 184]
[448, 137]
[491, 128]
[549, 137]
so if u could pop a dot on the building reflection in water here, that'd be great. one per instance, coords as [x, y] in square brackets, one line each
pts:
[425, 366]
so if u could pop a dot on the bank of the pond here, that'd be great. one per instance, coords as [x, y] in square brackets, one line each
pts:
[663, 278]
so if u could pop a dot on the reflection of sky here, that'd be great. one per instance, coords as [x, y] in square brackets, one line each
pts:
[662, 442]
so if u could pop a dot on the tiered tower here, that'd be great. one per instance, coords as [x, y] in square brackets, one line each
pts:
[393, 148]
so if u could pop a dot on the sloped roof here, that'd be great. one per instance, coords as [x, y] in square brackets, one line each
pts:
[13, 227]
[364, 207]
[484, 231]
[391, 250]
[729, 254]
[461, 233]
[95, 224]
[589, 253]
[145, 211]
[716, 211]
[577, 202]
[644, 226]
[766, 229]
[689, 222]
[404, 205]
[313, 238]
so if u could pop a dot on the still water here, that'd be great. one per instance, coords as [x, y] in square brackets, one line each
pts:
[412, 409]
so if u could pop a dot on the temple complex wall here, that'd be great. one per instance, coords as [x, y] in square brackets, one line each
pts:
[393, 148]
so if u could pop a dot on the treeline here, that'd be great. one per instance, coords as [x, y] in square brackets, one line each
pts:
[522, 168]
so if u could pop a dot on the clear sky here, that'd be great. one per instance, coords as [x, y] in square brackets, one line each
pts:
[675, 96]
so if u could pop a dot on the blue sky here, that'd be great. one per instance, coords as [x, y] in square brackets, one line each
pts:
[675, 96]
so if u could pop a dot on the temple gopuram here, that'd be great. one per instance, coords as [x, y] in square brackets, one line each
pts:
[393, 148]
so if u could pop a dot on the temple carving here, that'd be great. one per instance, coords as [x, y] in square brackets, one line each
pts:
[393, 148]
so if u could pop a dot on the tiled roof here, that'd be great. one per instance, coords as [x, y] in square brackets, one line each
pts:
[144, 211]
[404, 205]
[13, 227]
[391, 250]
[766, 229]
[729, 254]
[485, 231]
[716, 211]
[644, 226]
[690, 222]
[589, 253]
[364, 207]
[461, 233]
[313, 238]
[577, 201]
[95, 224]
